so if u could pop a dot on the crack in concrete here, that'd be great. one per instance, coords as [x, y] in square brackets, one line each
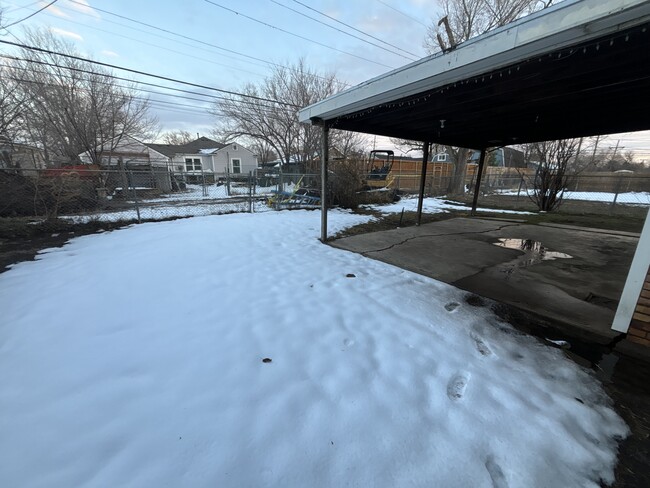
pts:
[365, 253]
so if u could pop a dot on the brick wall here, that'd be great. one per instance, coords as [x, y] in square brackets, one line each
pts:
[639, 331]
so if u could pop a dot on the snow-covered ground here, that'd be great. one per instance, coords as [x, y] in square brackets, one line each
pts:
[431, 205]
[134, 358]
[171, 210]
[214, 191]
[190, 203]
[629, 198]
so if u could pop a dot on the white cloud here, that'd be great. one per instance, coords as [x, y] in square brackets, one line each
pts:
[84, 7]
[54, 10]
[110, 54]
[65, 33]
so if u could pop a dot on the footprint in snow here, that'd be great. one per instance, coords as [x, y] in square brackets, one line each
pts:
[451, 306]
[456, 386]
[480, 344]
[496, 473]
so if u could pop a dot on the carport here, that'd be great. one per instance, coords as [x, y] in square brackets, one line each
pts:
[580, 68]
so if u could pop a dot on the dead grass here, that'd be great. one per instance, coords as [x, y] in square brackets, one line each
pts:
[584, 214]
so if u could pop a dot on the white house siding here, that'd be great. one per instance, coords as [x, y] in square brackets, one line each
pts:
[131, 151]
[148, 167]
[206, 162]
[222, 159]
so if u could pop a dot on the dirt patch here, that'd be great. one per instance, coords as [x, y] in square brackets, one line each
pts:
[630, 390]
[628, 218]
[626, 383]
[394, 221]
[22, 239]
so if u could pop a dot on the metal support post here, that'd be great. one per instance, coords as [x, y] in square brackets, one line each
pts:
[479, 174]
[324, 156]
[423, 178]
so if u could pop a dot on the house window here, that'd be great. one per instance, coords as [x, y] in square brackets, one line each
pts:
[236, 166]
[234, 147]
[441, 158]
[192, 164]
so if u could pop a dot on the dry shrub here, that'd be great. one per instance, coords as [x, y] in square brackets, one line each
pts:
[346, 180]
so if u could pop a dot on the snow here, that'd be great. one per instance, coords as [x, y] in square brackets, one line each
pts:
[160, 212]
[189, 203]
[432, 205]
[195, 192]
[629, 198]
[133, 358]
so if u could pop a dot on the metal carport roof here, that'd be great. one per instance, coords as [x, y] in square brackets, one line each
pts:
[577, 69]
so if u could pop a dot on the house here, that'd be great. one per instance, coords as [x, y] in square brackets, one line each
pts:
[501, 157]
[206, 156]
[442, 157]
[16, 155]
[161, 164]
[147, 167]
[129, 151]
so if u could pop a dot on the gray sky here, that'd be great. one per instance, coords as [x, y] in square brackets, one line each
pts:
[219, 45]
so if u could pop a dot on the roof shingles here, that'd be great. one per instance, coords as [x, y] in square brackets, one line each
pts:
[194, 147]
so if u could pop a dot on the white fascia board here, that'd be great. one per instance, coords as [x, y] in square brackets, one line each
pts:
[634, 281]
[567, 23]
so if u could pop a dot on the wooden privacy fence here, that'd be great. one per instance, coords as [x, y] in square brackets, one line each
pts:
[405, 176]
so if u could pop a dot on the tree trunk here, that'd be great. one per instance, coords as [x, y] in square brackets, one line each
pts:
[457, 182]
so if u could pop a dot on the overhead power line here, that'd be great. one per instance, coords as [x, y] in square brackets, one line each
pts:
[184, 54]
[144, 73]
[270, 111]
[189, 38]
[296, 35]
[403, 13]
[340, 30]
[264, 107]
[355, 29]
[31, 15]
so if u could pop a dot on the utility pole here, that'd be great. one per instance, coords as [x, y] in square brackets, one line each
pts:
[615, 149]
[575, 160]
[612, 159]
[593, 154]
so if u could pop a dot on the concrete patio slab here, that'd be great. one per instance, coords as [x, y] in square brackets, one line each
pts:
[579, 292]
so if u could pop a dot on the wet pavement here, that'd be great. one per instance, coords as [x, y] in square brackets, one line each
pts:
[566, 275]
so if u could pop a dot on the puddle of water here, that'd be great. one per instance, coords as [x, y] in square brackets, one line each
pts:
[535, 251]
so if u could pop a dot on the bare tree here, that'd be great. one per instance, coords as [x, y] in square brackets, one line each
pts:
[263, 151]
[554, 172]
[73, 106]
[276, 124]
[10, 112]
[470, 18]
[177, 137]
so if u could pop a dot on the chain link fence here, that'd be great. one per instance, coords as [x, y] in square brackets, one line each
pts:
[84, 194]
[619, 193]
[137, 194]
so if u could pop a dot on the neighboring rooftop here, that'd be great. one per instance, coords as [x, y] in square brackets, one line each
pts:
[198, 146]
